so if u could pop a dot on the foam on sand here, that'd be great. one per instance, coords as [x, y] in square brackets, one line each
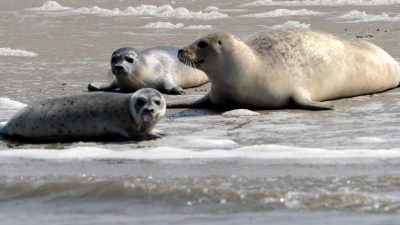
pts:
[16, 52]
[284, 12]
[322, 3]
[168, 25]
[240, 112]
[198, 27]
[6, 103]
[356, 16]
[257, 152]
[369, 140]
[291, 25]
[51, 6]
[163, 25]
[165, 11]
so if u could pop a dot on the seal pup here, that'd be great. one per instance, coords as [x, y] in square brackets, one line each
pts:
[156, 67]
[88, 117]
[284, 68]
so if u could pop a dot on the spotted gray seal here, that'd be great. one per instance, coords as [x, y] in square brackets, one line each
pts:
[87, 117]
[277, 69]
[156, 67]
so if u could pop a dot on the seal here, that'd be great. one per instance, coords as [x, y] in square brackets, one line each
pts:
[287, 68]
[88, 117]
[156, 67]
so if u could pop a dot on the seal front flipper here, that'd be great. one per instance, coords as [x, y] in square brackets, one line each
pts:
[171, 88]
[202, 103]
[303, 101]
[102, 87]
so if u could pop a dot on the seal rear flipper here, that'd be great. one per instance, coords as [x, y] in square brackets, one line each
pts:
[202, 103]
[304, 102]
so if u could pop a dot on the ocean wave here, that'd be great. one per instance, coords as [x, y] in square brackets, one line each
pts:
[322, 3]
[258, 152]
[51, 6]
[291, 25]
[284, 12]
[166, 11]
[163, 25]
[240, 112]
[16, 52]
[168, 25]
[356, 16]
[358, 194]
[6, 103]
[198, 27]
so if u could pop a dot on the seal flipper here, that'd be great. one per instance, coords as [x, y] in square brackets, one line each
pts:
[303, 101]
[171, 88]
[202, 103]
[97, 87]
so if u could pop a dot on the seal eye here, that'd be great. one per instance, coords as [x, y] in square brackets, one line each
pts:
[202, 44]
[113, 59]
[129, 59]
[140, 102]
[220, 42]
[157, 102]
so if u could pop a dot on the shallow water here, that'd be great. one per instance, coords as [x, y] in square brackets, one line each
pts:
[282, 166]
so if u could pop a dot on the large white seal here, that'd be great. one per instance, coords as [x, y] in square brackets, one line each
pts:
[156, 67]
[87, 117]
[276, 69]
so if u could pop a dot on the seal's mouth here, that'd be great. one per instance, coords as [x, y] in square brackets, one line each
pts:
[119, 70]
[198, 61]
[149, 118]
[188, 59]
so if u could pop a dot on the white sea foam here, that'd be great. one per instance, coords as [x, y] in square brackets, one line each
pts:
[6, 103]
[206, 143]
[369, 140]
[198, 27]
[16, 52]
[168, 25]
[291, 25]
[51, 6]
[322, 3]
[240, 112]
[362, 16]
[284, 12]
[166, 11]
[259, 152]
[163, 25]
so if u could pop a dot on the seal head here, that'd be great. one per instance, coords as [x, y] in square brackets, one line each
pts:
[147, 107]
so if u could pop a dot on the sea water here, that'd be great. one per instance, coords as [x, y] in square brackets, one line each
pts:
[237, 167]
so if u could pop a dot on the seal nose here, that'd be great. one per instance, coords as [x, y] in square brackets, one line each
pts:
[149, 111]
[118, 67]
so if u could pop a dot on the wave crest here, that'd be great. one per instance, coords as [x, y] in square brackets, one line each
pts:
[166, 11]
[16, 52]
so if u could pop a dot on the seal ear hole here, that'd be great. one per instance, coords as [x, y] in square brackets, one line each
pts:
[220, 42]
[129, 59]
[202, 44]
